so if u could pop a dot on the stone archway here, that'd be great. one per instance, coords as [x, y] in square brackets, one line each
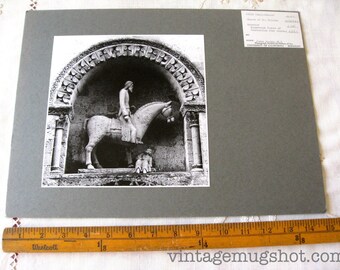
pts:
[191, 93]
[191, 81]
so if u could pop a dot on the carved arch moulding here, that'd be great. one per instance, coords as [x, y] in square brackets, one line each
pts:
[190, 81]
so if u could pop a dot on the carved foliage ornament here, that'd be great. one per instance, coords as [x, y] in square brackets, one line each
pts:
[177, 69]
[193, 118]
[61, 122]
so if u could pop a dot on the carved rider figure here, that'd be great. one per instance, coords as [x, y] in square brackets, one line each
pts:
[125, 113]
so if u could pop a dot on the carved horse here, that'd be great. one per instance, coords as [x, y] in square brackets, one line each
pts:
[99, 126]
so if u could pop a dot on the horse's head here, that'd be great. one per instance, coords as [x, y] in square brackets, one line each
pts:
[167, 112]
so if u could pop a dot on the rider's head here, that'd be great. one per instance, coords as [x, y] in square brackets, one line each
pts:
[149, 151]
[129, 86]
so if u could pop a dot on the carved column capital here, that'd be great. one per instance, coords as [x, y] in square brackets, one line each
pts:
[61, 122]
[193, 118]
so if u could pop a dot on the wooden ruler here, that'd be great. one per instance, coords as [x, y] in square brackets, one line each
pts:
[171, 237]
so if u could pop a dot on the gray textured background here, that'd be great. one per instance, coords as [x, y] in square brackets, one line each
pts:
[264, 156]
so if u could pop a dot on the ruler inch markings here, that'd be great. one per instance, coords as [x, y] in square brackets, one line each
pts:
[170, 237]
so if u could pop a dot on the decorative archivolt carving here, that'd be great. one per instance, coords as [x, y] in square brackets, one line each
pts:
[191, 86]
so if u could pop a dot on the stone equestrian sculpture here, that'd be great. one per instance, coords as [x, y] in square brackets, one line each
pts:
[99, 126]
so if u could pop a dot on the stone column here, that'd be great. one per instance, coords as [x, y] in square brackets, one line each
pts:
[59, 130]
[196, 142]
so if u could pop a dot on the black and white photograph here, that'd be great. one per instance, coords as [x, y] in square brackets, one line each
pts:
[127, 111]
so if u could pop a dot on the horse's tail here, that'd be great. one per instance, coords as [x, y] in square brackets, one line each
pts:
[85, 123]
